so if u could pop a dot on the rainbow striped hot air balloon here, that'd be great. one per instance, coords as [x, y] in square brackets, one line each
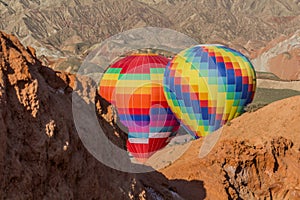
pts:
[207, 85]
[134, 85]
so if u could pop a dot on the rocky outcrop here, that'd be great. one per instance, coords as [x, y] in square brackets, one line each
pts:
[281, 57]
[256, 157]
[41, 154]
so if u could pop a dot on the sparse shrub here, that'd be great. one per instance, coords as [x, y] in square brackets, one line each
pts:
[254, 107]
[287, 55]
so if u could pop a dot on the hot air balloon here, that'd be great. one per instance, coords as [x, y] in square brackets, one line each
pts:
[208, 85]
[134, 86]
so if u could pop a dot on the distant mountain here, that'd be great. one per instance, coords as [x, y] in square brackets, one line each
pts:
[72, 25]
[69, 27]
[59, 28]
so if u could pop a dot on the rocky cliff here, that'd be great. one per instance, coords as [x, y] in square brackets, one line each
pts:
[41, 154]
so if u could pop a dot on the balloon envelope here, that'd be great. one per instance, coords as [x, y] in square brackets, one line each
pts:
[134, 85]
[207, 85]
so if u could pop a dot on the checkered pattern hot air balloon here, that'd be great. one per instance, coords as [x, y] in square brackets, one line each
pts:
[134, 85]
[206, 86]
